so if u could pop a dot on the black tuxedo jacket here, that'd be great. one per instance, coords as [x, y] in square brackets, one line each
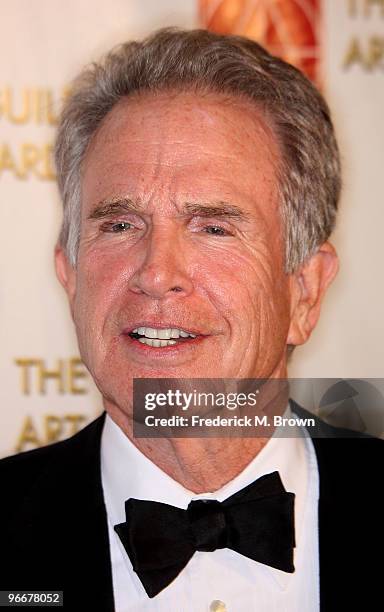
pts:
[54, 536]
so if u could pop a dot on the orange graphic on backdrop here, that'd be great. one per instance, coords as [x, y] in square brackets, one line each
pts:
[288, 28]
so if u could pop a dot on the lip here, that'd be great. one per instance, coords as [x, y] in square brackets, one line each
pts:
[164, 325]
[172, 351]
[186, 343]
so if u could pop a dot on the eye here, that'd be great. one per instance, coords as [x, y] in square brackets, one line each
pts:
[216, 230]
[116, 228]
[123, 226]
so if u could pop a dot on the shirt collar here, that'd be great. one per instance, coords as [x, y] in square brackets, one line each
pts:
[127, 472]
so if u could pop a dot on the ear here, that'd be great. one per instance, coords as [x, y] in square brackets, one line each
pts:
[66, 274]
[307, 287]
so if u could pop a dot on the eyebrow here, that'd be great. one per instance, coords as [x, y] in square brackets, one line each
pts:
[115, 207]
[218, 209]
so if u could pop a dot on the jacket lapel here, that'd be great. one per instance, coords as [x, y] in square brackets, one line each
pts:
[331, 505]
[350, 514]
[67, 545]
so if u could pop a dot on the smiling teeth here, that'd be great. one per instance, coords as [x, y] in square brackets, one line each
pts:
[157, 343]
[161, 334]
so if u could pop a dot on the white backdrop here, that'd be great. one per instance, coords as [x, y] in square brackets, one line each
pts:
[45, 391]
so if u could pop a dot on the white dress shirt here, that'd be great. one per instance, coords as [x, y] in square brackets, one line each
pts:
[223, 580]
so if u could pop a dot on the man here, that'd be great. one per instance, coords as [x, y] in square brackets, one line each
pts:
[200, 180]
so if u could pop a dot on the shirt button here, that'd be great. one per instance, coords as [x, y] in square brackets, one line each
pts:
[217, 606]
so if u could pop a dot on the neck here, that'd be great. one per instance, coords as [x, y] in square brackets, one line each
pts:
[200, 465]
[206, 464]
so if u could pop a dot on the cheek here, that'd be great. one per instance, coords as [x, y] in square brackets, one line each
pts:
[250, 284]
[99, 281]
[103, 271]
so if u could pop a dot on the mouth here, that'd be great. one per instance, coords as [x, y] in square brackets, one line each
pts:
[162, 337]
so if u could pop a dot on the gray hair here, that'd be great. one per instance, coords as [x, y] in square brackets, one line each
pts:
[199, 60]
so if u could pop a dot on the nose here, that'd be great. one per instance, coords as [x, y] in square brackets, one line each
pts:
[163, 270]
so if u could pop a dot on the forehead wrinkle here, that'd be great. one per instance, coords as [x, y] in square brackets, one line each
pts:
[158, 167]
[261, 130]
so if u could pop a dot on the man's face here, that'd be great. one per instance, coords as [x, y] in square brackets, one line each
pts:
[180, 230]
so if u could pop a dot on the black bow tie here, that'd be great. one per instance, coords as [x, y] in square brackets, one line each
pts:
[257, 522]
